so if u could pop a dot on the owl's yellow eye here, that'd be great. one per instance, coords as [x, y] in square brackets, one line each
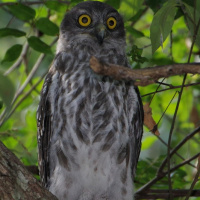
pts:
[111, 22]
[84, 20]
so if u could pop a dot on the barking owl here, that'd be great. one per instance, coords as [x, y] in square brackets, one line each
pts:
[89, 126]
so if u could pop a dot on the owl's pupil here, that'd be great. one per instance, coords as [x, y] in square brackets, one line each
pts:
[111, 22]
[85, 20]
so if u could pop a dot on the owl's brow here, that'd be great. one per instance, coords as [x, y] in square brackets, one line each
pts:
[112, 13]
[82, 11]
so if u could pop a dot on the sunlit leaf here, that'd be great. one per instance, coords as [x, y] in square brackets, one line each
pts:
[162, 24]
[12, 53]
[129, 8]
[56, 5]
[11, 32]
[148, 141]
[47, 26]
[39, 45]
[22, 12]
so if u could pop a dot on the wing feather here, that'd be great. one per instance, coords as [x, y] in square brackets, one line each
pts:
[136, 131]
[44, 131]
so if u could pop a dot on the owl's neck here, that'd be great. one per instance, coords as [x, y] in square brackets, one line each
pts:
[111, 51]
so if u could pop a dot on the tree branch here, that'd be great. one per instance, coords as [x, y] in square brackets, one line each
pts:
[164, 194]
[189, 136]
[16, 181]
[145, 76]
[161, 175]
[195, 180]
[171, 87]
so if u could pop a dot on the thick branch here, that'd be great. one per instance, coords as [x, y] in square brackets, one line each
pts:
[145, 76]
[16, 181]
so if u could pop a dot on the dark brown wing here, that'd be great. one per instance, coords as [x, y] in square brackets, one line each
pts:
[136, 132]
[44, 130]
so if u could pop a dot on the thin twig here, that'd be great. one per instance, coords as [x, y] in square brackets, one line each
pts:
[183, 163]
[21, 100]
[167, 107]
[164, 194]
[156, 90]
[185, 139]
[171, 88]
[170, 136]
[176, 153]
[31, 74]
[195, 180]
[176, 111]
[144, 189]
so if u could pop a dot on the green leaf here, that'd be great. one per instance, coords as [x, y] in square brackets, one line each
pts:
[7, 90]
[162, 24]
[190, 12]
[137, 16]
[155, 5]
[47, 27]
[11, 32]
[56, 5]
[134, 32]
[135, 55]
[76, 1]
[189, 2]
[129, 8]
[38, 45]
[114, 3]
[22, 12]
[12, 53]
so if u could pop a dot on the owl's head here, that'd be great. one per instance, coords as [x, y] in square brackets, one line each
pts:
[93, 23]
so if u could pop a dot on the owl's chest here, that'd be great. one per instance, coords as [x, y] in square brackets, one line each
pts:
[87, 105]
[91, 124]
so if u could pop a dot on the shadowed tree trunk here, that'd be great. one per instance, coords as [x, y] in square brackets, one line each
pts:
[16, 182]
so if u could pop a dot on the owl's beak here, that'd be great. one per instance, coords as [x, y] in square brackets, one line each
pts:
[100, 33]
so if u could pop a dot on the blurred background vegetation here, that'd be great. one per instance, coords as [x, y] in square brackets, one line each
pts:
[159, 32]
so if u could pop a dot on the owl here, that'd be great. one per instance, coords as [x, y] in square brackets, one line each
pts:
[89, 126]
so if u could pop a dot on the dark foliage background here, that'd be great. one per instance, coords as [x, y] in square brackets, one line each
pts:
[159, 32]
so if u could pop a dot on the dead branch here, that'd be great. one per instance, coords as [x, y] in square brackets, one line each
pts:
[142, 77]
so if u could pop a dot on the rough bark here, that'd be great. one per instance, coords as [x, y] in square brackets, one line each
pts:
[16, 182]
[142, 77]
